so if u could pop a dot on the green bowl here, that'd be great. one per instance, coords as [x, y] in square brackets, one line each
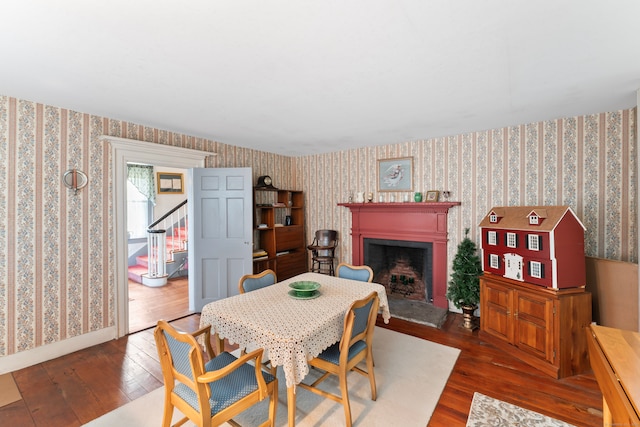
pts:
[304, 288]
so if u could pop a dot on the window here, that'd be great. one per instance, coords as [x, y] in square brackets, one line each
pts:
[533, 219]
[493, 218]
[492, 238]
[534, 242]
[139, 212]
[512, 240]
[536, 269]
[494, 261]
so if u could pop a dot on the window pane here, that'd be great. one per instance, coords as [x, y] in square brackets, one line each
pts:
[138, 213]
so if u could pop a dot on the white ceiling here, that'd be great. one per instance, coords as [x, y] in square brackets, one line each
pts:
[300, 77]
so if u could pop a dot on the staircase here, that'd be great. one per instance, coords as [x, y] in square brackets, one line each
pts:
[170, 231]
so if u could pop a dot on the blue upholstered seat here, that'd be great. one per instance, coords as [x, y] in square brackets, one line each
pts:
[362, 273]
[251, 282]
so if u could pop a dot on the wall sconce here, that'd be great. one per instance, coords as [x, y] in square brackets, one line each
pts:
[74, 180]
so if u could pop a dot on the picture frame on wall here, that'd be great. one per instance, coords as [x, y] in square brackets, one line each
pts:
[395, 174]
[432, 196]
[170, 183]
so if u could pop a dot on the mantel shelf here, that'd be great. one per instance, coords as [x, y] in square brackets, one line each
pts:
[430, 206]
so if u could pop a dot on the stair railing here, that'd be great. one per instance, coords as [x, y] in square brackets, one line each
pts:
[162, 233]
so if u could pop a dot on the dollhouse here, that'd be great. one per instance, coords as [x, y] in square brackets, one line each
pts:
[542, 245]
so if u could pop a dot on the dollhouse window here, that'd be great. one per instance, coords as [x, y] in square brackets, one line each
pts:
[533, 242]
[534, 219]
[494, 261]
[535, 269]
[493, 218]
[512, 240]
[492, 238]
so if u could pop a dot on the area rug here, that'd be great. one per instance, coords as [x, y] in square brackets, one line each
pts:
[489, 412]
[417, 312]
[410, 376]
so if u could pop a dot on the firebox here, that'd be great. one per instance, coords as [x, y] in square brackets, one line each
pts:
[405, 268]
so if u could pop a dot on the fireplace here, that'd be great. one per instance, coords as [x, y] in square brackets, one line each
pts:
[404, 268]
[414, 225]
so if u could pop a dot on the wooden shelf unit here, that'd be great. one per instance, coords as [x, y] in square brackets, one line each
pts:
[544, 327]
[284, 244]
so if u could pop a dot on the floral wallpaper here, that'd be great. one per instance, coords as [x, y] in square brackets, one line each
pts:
[56, 274]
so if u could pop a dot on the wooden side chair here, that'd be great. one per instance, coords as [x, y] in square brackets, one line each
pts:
[363, 273]
[323, 250]
[213, 393]
[343, 356]
[251, 282]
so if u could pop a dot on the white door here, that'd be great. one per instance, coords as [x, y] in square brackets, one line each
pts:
[220, 232]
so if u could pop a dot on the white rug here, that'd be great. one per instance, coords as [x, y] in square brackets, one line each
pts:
[489, 412]
[410, 376]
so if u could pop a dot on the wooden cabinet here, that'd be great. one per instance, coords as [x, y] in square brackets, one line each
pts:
[279, 231]
[544, 327]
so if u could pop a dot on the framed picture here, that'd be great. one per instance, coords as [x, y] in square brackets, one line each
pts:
[395, 174]
[170, 183]
[432, 196]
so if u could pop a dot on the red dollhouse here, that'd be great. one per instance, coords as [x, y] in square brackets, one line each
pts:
[543, 245]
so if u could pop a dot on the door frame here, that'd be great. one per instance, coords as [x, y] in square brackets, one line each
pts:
[123, 151]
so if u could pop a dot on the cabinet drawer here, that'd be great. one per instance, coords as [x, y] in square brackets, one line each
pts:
[290, 265]
[289, 237]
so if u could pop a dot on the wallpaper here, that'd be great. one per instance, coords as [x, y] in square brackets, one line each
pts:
[587, 163]
[56, 274]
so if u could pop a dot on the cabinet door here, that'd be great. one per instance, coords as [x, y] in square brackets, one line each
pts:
[534, 324]
[496, 303]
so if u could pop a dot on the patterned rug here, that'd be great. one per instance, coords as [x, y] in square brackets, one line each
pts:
[489, 412]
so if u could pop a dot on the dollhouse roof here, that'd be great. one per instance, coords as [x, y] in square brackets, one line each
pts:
[517, 217]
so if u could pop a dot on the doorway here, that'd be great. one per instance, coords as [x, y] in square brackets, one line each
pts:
[145, 205]
[124, 151]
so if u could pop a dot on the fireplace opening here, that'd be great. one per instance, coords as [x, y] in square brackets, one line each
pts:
[405, 268]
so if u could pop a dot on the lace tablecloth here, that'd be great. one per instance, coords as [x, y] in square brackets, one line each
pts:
[291, 331]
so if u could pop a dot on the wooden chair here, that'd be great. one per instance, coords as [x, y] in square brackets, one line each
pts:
[212, 393]
[343, 356]
[251, 282]
[363, 273]
[323, 251]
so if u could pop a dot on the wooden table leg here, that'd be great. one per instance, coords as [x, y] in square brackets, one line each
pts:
[291, 405]
[219, 344]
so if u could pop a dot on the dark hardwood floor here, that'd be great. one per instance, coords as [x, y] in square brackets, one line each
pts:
[74, 389]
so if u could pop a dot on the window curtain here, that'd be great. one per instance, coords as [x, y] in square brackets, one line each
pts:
[141, 176]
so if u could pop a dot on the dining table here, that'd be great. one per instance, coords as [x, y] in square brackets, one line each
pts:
[292, 329]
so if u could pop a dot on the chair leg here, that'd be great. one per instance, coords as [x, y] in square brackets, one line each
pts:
[371, 375]
[345, 397]
[167, 415]
[273, 404]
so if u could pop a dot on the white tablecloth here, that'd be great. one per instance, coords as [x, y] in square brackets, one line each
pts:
[291, 331]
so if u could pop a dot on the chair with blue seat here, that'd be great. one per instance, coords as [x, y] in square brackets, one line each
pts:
[363, 273]
[354, 347]
[251, 282]
[213, 393]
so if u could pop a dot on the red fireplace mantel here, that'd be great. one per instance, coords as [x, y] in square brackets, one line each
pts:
[414, 222]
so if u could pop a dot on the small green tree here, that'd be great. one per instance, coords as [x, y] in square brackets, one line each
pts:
[464, 286]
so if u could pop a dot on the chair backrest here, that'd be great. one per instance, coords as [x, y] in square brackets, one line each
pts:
[181, 360]
[359, 323]
[328, 239]
[251, 282]
[363, 273]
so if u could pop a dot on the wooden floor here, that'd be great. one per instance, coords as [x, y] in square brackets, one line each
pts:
[147, 305]
[74, 389]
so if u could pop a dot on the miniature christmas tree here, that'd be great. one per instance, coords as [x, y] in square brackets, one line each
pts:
[464, 286]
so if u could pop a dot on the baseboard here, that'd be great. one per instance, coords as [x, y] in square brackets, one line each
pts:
[27, 358]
